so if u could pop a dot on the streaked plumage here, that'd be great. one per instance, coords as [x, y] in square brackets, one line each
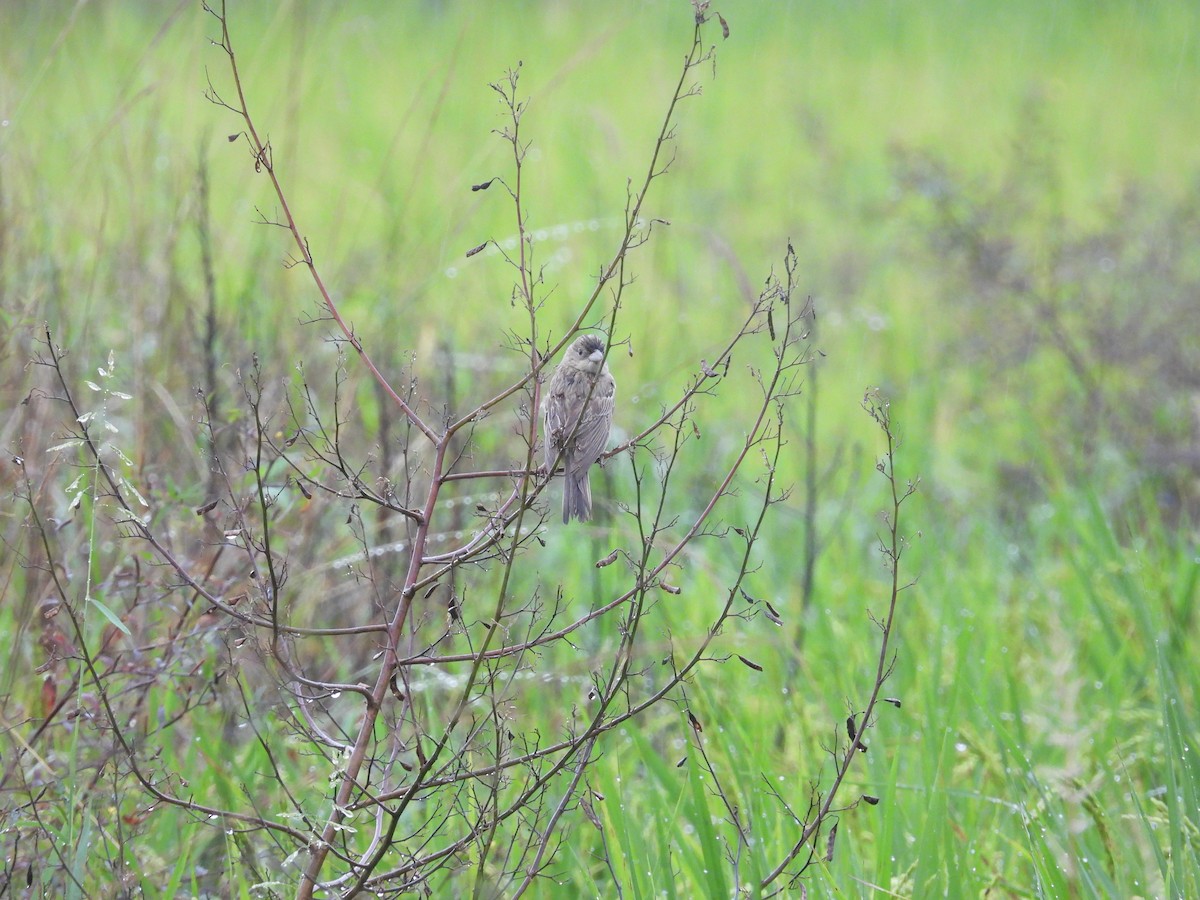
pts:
[575, 433]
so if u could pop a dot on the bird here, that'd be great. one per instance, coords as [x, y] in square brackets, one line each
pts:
[577, 414]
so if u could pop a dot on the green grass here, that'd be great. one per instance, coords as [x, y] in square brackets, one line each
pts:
[1045, 746]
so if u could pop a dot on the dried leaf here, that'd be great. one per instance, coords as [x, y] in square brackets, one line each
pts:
[49, 695]
[590, 814]
[755, 666]
[138, 817]
[607, 561]
[829, 844]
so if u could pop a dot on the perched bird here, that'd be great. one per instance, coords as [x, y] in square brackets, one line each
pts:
[578, 413]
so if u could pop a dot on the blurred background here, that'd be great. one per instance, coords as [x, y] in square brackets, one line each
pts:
[993, 207]
[996, 212]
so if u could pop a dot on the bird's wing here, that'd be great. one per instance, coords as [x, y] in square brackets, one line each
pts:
[595, 425]
[555, 411]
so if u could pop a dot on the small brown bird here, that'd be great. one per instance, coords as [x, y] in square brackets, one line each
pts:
[578, 413]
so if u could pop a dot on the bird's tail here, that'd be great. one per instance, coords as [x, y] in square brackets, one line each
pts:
[577, 497]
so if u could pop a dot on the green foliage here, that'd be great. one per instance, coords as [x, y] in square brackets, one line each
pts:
[930, 163]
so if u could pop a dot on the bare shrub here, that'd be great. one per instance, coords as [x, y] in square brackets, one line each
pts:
[383, 670]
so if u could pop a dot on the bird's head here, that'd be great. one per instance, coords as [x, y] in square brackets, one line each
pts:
[587, 353]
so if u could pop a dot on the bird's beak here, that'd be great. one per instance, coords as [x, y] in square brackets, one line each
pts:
[597, 356]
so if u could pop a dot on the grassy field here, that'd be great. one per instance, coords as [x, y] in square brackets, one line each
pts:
[995, 209]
